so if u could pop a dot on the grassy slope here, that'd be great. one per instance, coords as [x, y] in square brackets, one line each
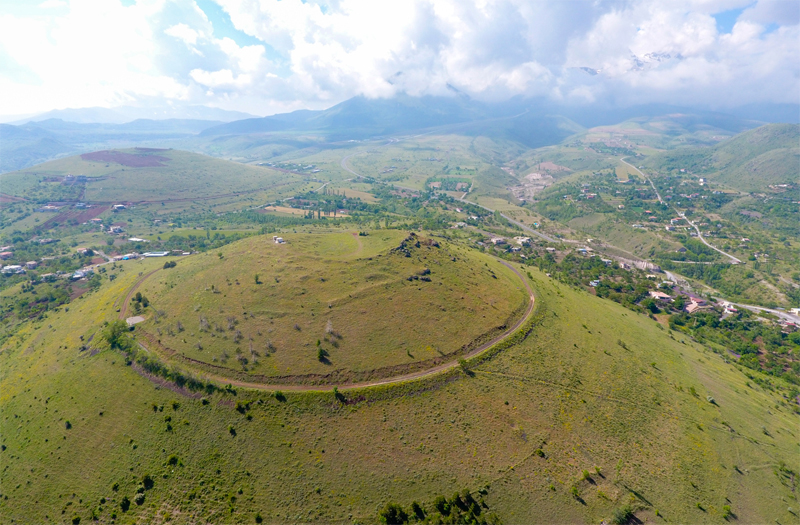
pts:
[186, 176]
[749, 161]
[571, 390]
[356, 283]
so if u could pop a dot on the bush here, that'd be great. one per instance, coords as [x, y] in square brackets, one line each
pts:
[172, 460]
[139, 499]
[416, 508]
[147, 482]
[125, 504]
[393, 514]
[441, 505]
[280, 396]
[622, 515]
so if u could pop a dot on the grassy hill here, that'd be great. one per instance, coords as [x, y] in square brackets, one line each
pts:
[376, 305]
[140, 175]
[598, 411]
[750, 161]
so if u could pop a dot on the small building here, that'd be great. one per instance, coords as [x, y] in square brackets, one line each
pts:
[697, 300]
[691, 308]
[550, 250]
[660, 296]
[137, 239]
[155, 254]
[13, 268]
[593, 284]
[278, 240]
[522, 241]
[6, 255]
[118, 207]
[625, 266]
[31, 265]
[497, 240]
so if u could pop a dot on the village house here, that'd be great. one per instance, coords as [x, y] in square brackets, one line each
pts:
[31, 265]
[6, 255]
[660, 296]
[523, 241]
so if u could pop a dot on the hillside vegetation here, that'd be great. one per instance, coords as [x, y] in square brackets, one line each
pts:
[598, 413]
[330, 307]
[750, 161]
[140, 174]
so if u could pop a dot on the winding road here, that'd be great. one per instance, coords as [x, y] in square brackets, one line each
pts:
[386, 381]
[733, 259]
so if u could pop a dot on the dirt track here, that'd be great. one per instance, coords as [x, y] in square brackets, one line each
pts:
[349, 386]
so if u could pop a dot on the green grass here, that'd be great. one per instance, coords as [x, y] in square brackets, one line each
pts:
[185, 176]
[349, 292]
[570, 389]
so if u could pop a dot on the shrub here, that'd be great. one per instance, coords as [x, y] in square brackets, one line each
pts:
[622, 515]
[393, 514]
[416, 508]
[125, 504]
[279, 396]
[441, 505]
[259, 519]
[147, 482]
[139, 499]
[172, 459]
[76, 520]
[68, 425]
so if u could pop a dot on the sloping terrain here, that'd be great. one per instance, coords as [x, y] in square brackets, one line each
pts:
[750, 161]
[598, 410]
[139, 175]
[330, 307]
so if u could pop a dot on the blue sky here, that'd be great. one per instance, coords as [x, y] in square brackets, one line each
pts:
[268, 56]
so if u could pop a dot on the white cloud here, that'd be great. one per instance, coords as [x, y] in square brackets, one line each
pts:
[50, 4]
[183, 32]
[100, 52]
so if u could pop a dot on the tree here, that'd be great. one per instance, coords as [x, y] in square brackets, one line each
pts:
[115, 335]
[393, 514]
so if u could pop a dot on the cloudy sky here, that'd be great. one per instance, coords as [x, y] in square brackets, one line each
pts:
[268, 56]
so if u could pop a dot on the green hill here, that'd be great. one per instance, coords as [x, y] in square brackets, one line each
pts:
[598, 414]
[750, 161]
[141, 175]
[329, 307]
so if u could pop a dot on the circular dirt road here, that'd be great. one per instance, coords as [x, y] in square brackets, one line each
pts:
[352, 386]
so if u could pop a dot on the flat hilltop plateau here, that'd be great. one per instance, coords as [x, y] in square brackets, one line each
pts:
[329, 308]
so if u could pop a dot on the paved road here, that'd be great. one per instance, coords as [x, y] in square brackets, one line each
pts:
[389, 380]
[733, 259]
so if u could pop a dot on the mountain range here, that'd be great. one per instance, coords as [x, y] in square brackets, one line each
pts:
[532, 123]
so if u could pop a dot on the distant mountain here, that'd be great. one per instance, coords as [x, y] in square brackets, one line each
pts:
[750, 161]
[361, 117]
[123, 114]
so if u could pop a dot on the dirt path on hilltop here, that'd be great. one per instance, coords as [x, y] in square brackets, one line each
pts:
[350, 386]
[123, 309]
